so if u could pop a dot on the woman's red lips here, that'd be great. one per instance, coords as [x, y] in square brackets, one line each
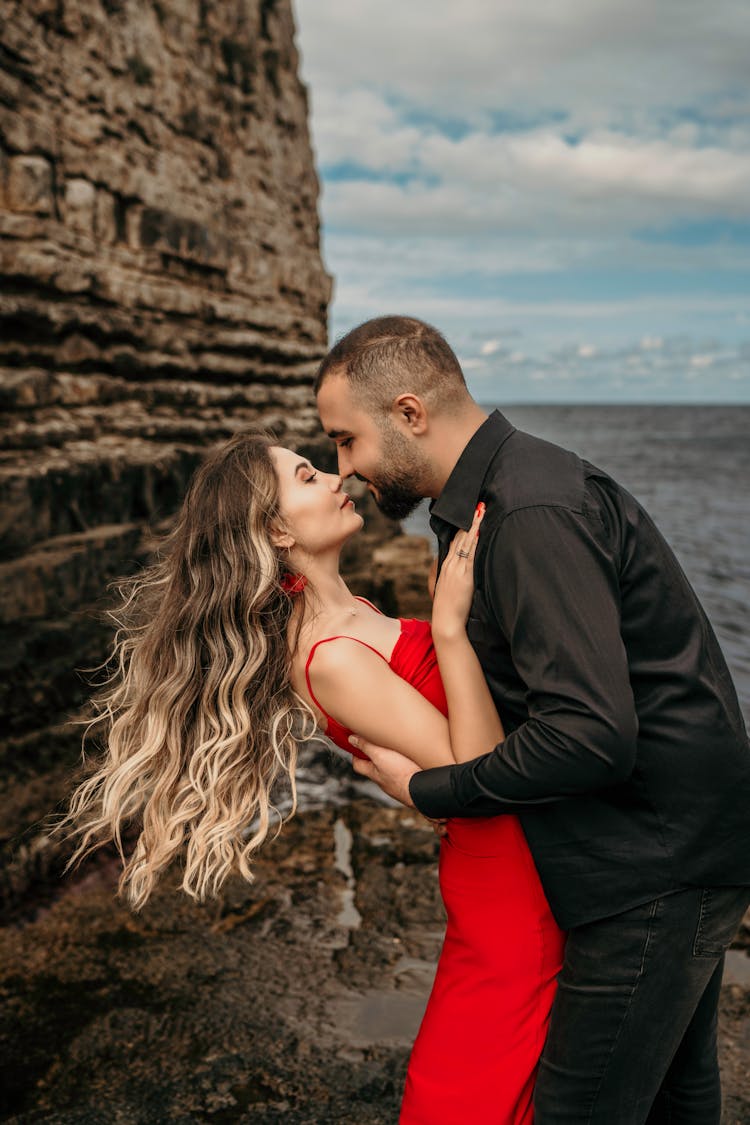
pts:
[345, 501]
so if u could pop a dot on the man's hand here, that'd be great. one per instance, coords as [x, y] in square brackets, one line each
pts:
[387, 768]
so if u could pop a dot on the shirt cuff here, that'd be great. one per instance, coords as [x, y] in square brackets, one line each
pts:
[433, 794]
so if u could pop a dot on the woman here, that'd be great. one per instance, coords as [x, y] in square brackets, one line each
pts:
[233, 647]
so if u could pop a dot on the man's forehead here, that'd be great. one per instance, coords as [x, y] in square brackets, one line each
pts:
[338, 413]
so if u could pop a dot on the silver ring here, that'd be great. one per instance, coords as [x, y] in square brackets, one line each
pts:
[463, 554]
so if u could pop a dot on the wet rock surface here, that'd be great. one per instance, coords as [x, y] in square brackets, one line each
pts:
[280, 1002]
[292, 1000]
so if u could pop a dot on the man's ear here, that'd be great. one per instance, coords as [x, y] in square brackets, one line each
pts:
[410, 412]
[281, 539]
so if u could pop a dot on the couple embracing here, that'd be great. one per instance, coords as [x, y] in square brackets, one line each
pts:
[567, 718]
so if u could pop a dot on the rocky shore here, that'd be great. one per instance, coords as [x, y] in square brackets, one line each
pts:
[292, 1000]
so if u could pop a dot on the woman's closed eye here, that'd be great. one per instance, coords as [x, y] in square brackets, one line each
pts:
[311, 479]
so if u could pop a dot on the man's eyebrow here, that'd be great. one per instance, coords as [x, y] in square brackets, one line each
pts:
[336, 433]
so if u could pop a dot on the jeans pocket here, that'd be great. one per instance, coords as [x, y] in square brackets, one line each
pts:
[719, 916]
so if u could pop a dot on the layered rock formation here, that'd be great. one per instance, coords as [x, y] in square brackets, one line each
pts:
[161, 287]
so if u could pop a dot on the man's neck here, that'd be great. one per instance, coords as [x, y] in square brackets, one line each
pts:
[450, 436]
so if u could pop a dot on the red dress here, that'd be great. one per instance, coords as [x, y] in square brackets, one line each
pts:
[475, 1057]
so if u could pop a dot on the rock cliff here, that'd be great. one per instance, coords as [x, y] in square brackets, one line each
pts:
[161, 286]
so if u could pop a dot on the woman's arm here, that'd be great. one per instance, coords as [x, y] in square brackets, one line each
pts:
[474, 724]
[360, 690]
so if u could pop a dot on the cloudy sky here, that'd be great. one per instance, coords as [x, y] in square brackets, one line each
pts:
[561, 186]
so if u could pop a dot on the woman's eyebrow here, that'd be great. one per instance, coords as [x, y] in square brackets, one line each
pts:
[302, 465]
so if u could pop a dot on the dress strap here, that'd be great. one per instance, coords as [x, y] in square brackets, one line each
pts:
[323, 641]
[367, 602]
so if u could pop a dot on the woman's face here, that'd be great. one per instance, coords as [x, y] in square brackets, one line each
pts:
[315, 509]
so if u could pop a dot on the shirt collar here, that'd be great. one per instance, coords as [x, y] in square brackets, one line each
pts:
[458, 500]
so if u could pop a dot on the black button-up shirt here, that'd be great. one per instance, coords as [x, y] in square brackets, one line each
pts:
[626, 756]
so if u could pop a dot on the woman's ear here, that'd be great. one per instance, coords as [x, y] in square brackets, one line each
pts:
[281, 539]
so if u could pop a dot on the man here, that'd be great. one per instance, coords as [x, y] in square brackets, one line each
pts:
[626, 756]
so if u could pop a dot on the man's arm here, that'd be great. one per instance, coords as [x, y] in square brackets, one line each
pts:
[554, 591]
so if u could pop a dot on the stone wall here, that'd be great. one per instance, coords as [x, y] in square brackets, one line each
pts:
[161, 286]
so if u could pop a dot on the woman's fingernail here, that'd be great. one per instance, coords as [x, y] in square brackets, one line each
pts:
[354, 740]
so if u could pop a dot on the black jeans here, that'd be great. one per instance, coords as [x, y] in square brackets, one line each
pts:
[632, 1038]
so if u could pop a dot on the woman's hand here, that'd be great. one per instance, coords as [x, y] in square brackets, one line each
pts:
[455, 586]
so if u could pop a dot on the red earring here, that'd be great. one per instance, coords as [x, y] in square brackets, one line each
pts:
[293, 584]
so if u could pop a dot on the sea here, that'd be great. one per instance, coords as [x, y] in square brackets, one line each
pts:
[690, 468]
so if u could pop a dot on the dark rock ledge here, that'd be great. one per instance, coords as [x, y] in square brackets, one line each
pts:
[292, 1000]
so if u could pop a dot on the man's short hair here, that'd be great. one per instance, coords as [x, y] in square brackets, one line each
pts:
[393, 355]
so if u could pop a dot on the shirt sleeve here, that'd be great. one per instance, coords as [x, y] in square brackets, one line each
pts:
[553, 589]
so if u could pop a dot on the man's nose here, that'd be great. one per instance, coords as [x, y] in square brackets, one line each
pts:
[345, 465]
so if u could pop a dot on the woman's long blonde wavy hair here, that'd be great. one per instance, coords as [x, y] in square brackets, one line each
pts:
[199, 715]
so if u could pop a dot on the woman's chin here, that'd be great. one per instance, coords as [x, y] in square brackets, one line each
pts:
[357, 526]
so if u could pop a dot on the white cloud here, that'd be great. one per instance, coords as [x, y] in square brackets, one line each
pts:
[540, 183]
[665, 372]
[584, 56]
[361, 128]
[614, 167]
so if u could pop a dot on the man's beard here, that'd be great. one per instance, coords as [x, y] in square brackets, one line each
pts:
[399, 486]
[396, 499]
